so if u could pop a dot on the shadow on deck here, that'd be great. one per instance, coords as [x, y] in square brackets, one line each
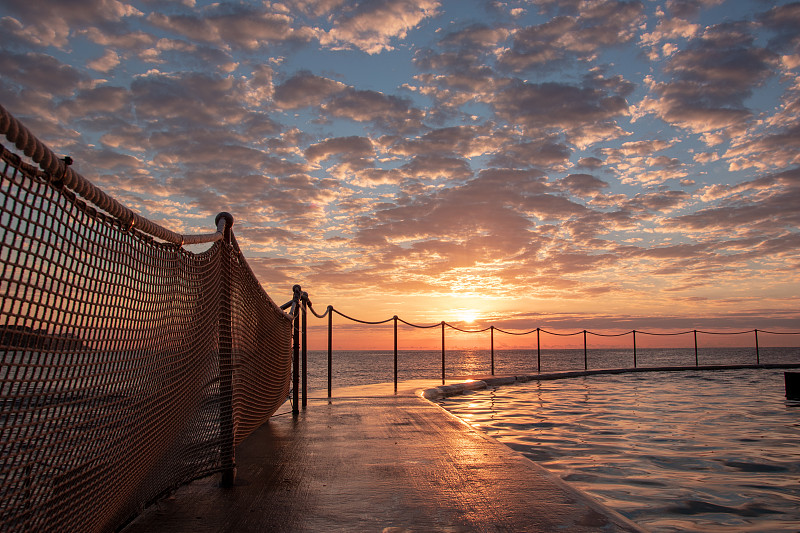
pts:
[372, 461]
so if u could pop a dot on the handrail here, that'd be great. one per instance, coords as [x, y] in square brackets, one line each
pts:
[59, 170]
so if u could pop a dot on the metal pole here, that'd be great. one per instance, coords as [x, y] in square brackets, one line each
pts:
[585, 359]
[696, 360]
[297, 295]
[492, 330]
[304, 372]
[296, 363]
[330, 349]
[227, 450]
[758, 357]
[634, 348]
[395, 354]
[442, 352]
[538, 353]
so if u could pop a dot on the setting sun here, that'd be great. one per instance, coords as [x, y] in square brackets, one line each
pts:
[469, 316]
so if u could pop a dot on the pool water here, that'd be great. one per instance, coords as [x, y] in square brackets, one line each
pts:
[673, 451]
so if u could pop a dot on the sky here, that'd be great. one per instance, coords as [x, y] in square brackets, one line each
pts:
[567, 165]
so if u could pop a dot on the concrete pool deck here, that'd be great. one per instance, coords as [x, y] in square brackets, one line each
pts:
[370, 460]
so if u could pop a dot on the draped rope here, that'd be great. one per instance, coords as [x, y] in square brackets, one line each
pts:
[59, 170]
[332, 309]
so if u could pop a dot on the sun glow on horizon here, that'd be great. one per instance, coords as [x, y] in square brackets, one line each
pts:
[468, 316]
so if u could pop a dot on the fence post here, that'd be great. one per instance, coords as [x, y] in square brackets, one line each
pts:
[304, 334]
[634, 348]
[227, 450]
[492, 330]
[442, 352]
[395, 353]
[585, 358]
[330, 349]
[758, 357]
[296, 351]
[696, 360]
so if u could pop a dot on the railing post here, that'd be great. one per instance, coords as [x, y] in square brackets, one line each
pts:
[227, 450]
[585, 358]
[330, 349]
[296, 351]
[758, 357]
[634, 348]
[696, 360]
[304, 372]
[442, 352]
[538, 353]
[395, 354]
[492, 331]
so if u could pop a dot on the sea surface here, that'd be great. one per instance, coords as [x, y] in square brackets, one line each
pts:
[367, 367]
[710, 451]
[706, 451]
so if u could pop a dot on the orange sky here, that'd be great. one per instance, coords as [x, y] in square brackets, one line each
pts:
[603, 165]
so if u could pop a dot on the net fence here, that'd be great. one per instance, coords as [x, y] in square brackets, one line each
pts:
[128, 366]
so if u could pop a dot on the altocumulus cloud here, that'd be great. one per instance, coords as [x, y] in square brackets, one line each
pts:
[625, 156]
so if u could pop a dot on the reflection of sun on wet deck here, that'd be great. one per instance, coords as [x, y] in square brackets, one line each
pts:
[369, 460]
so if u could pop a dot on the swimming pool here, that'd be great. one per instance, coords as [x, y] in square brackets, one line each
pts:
[673, 451]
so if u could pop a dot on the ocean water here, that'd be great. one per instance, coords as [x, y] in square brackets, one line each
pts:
[673, 451]
[368, 367]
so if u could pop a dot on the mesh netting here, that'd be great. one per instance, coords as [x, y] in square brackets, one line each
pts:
[128, 366]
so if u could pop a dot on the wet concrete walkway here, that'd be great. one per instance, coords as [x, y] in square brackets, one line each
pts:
[370, 460]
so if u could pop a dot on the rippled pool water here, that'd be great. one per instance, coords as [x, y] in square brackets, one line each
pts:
[673, 451]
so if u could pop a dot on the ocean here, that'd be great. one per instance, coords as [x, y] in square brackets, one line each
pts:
[367, 367]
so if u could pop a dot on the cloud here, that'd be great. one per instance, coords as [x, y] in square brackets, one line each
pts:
[773, 212]
[643, 147]
[515, 159]
[773, 142]
[388, 112]
[371, 26]
[119, 38]
[658, 202]
[583, 184]
[590, 162]
[596, 25]
[475, 36]
[42, 73]
[129, 137]
[305, 89]
[464, 141]
[189, 98]
[661, 40]
[105, 100]
[50, 22]
[543, 153]
[710, 81]
[346, 147]
[784, 20]
[108, 61]
[689, 8]
[546, 107]
[319, 8]
[433, 167]
[237, 26]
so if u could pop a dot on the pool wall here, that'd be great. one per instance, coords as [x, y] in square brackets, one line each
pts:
[483, 382]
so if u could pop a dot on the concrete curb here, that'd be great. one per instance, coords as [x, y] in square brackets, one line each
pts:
[445, 391]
